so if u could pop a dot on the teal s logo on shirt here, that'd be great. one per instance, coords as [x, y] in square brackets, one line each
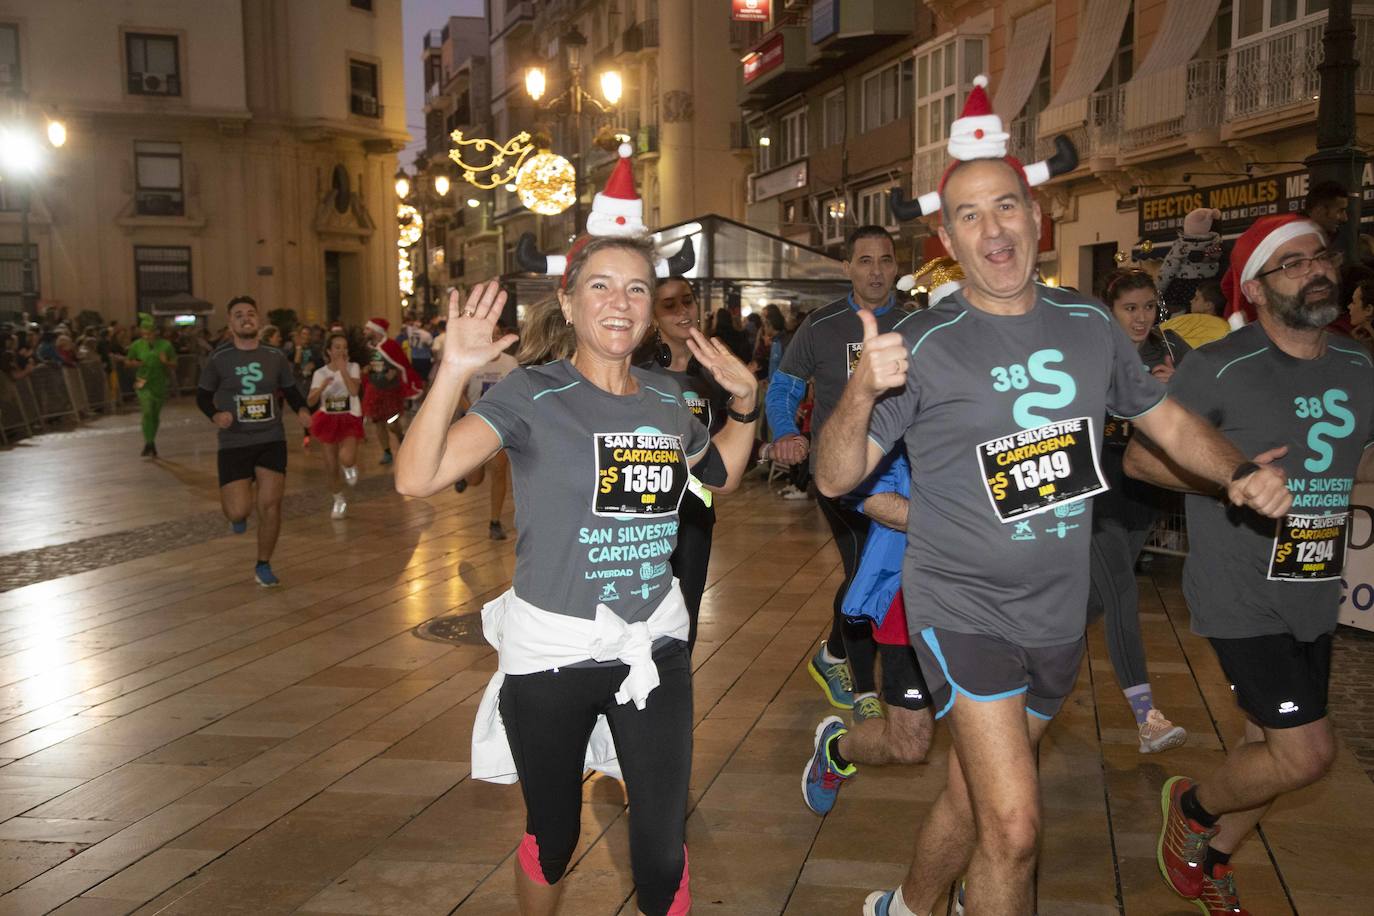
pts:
[249, 376]
[1036, 369]
[1331, 404]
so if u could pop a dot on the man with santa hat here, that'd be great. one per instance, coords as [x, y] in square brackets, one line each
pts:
[1000, 392]
[389, 382]
[1264, 594]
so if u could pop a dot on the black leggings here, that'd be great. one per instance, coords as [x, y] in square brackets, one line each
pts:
[549, 718]
[850, 639]
[696, 521]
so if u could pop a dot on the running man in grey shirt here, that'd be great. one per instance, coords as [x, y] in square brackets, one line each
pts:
[824, 351]
[238, 392]
[1266, 594]
[1000, 394]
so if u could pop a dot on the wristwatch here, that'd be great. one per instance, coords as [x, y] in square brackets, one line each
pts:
[1243, 470]
[742, 417]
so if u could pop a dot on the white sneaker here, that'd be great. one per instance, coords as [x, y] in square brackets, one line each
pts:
[350, 476]
[340, 506]
[791, 492]
[1159, 734]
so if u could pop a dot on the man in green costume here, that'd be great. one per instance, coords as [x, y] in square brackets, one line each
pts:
[154, 358]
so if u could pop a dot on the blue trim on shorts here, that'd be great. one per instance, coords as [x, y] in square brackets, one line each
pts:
[928, 634]
[1039, 715]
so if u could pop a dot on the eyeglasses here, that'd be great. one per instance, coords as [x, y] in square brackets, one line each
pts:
[1298, 268]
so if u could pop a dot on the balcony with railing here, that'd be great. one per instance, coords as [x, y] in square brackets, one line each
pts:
[639, 36]
[434, 40]
[1102, 132]
[1275, 71]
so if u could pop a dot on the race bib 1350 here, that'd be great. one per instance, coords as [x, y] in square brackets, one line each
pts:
[639, 474]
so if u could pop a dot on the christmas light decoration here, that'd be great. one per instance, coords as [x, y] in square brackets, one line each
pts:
[510, 154]
[546, 183]
[409, 225]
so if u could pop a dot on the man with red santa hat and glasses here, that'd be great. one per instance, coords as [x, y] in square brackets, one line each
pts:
[1000, 392]
[1266, 594]
[389, 382]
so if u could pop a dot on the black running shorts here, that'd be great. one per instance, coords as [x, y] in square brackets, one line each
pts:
[1278, 681]
[903, 684]
[240, 463]
[985, 668]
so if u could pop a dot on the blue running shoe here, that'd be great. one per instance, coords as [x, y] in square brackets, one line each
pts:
[879, 903]
[821, 780]
[239, 527]
[263, 573]
[834, 679]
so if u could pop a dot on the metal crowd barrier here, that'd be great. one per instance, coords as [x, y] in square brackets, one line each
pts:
[95, 382]
[1170, 533]
[52, 391]
[18, 413]
[187, 374]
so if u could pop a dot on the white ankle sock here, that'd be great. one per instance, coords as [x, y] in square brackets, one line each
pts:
[898, 906]
[827, 657]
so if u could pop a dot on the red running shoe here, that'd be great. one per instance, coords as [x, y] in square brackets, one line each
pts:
[1182, 842]
[1219, 896]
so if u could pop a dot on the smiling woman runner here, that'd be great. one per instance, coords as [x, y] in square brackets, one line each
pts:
[675, 318]
[338, 423]
[592, 636]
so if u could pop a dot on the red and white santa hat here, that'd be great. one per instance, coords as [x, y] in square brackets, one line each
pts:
[380, 325]
[1256, 246]
[978, 134]
[618, 210]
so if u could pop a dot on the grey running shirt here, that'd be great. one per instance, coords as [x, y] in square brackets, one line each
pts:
[245, 383]
[826, 348]
[579, 456]
[1261, 398]
[975, 378]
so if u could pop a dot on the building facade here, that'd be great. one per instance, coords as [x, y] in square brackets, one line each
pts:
[676, 108]
[1172, 104]
[214, 149]
[831, 102]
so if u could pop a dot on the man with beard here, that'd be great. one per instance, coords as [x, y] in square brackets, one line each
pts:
[238, 392]
[1266, 594]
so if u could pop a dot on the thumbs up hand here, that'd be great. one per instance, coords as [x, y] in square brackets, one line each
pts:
[883, 365]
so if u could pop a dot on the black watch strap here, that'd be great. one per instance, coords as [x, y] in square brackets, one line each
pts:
[1244, 470]
[742, 417]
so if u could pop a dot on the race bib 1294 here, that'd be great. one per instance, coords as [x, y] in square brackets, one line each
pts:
[1039, 469]
[639, 474]
[1309, 548]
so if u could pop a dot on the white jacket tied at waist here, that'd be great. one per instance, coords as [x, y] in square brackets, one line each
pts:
[529, 639]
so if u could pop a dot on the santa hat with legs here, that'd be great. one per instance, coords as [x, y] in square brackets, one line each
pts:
[978, 134]
[617, 212]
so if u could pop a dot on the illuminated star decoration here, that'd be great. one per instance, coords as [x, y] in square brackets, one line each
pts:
[490, 174]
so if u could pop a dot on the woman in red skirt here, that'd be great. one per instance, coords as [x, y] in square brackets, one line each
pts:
[338, 421]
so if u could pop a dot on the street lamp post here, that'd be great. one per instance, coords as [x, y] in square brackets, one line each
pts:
[21, 157]
[573, 44]
[1338, 157]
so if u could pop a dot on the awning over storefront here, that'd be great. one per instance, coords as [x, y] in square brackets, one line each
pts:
[731, 256]
[1099, 32]
[1030, 37]
[1158, 92]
